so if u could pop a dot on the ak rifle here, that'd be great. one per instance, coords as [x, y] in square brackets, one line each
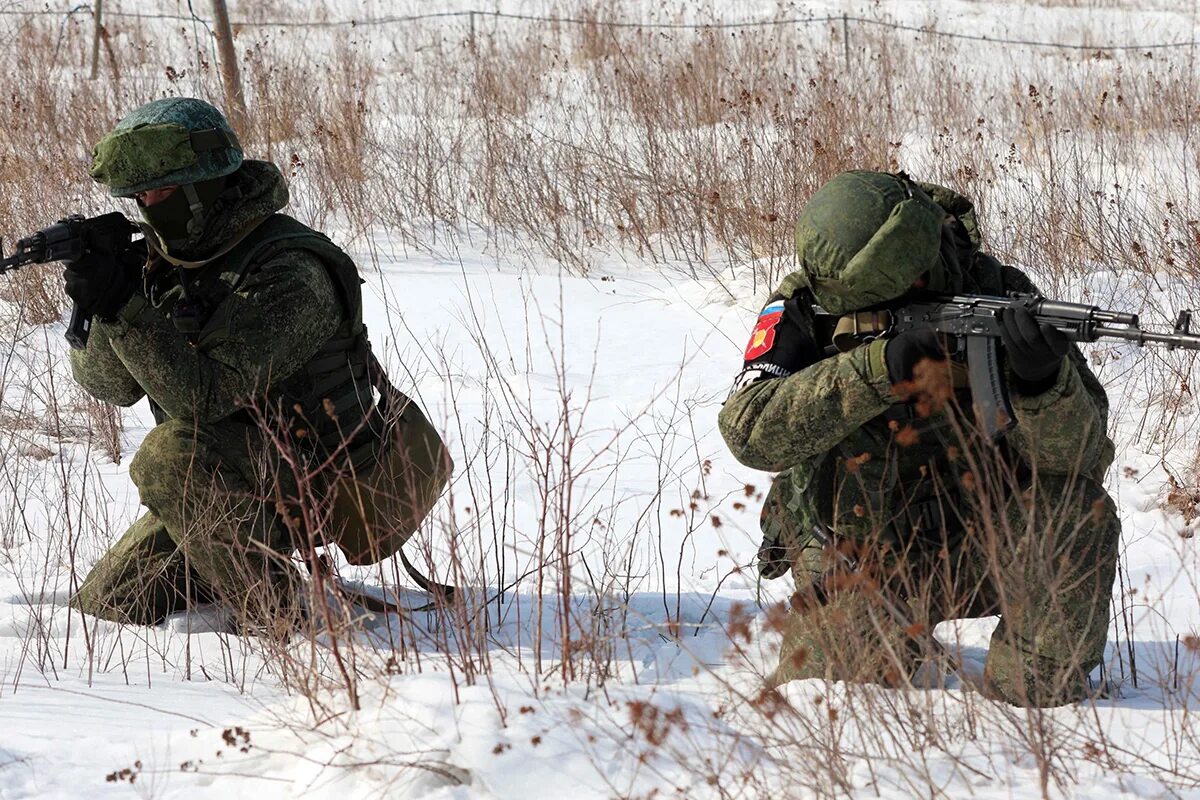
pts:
[69, 240]
[973, 325]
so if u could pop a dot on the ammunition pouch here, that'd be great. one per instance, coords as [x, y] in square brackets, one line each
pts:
[377, 506]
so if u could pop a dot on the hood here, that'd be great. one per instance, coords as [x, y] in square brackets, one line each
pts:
[865, 237]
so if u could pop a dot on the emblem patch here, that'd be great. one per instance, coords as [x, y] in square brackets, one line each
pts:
[762, 339]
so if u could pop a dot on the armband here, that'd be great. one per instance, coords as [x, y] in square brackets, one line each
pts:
[781, 344]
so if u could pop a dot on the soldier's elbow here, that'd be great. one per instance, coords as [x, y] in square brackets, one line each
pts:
[740, 428]
[755, 460]
[746, 452]
[127, 399]
[735, 434]
[124, 396]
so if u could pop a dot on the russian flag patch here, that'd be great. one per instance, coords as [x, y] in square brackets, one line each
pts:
[762, 338]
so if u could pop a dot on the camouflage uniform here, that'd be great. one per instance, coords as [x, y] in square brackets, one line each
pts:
[945, 523]
[247, 339]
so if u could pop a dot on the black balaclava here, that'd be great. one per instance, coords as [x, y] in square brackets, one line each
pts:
[180, 220]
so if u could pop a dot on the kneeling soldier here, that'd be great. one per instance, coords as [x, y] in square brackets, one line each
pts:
[891, 509]
[244, 329]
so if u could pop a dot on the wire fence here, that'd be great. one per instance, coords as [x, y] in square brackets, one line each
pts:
[473, 17]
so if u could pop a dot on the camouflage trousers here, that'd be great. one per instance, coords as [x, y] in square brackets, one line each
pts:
[1042, 557]
[210, 533]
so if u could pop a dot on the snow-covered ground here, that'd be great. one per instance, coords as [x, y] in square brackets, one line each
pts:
[657, 691]
[653, 357]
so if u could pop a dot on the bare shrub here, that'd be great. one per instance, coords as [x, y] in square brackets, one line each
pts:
[36, 290]
[693, 150]
[107, 426]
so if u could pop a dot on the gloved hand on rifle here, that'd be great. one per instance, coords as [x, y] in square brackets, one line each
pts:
[908, 349]
[1034, 352]
[101, 282]
[921, 371]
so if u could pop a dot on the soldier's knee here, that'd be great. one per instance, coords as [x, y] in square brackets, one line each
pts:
[109, 595]
[164, 448]
[172, 455]
[170, 447]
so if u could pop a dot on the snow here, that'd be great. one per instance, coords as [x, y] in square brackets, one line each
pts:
[495, 344]
[656, 366]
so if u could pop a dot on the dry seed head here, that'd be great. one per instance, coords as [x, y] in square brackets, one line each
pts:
[907, 436]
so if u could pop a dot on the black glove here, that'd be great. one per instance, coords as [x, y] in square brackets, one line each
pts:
[1035, 352]
[773, 561]
[906, 350]
[101, 283]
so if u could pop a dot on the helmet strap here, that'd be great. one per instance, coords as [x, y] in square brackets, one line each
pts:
[196, 206]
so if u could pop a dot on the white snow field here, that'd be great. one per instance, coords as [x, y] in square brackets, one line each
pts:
[614, 636]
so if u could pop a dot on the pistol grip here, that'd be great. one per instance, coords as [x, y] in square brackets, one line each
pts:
[79, 328]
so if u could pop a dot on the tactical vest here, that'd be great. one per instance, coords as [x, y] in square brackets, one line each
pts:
[328, 405]
[869, 487]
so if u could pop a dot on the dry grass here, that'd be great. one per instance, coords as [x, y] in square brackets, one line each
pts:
[690, 149]
[693, 148]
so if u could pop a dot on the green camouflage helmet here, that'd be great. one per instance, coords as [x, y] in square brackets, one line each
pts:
[864, 237]
[169, 142]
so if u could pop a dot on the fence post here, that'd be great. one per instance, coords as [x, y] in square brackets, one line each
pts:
[232, 79]
[98, 19]
[846, 38]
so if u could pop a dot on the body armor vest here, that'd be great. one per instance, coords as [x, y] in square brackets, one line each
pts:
[328, 405]
[868, 487]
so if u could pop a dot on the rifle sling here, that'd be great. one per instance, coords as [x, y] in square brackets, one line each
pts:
[860, 328]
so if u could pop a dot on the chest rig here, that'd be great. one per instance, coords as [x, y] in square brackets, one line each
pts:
[877, 483]
[328, 405]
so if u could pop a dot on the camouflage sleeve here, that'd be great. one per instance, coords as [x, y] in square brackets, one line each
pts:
[262, 333]
[776, 423]
[1064, 430]
[101, 374]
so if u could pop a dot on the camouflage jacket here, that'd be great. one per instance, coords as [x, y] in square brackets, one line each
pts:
[199, 342]
[831, 429]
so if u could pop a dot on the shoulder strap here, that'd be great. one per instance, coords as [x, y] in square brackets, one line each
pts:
[281, 232]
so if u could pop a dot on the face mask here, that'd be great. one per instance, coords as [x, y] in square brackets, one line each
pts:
[180, 219]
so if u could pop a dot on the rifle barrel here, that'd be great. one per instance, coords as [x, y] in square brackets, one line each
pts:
[12, 262]
[1078, 311]
[1187, 341]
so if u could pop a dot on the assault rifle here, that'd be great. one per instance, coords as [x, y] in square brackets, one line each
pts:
[71, 239]
[973, 323]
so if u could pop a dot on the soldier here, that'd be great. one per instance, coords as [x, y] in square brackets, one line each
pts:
[244, 330]
[881, 466]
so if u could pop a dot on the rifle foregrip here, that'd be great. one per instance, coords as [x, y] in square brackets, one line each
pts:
[993, 409]
[79, 328]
